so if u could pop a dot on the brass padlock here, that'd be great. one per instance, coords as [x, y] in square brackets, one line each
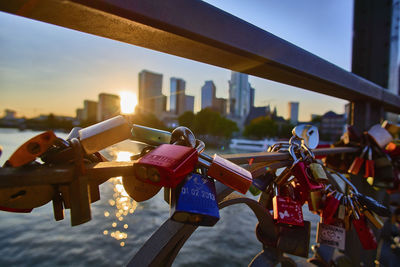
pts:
[139, 190]
[78, 191]
[318, 172]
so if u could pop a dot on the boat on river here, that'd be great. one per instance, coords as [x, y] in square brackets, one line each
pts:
[251, 145]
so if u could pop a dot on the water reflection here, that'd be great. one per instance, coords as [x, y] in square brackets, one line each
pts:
[121, 205]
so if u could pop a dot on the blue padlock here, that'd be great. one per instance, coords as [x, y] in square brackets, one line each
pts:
[194, 201]
[263, 181]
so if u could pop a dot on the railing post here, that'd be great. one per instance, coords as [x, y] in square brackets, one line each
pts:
[371, 60]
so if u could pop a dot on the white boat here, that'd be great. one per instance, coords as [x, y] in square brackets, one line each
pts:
[251, 145]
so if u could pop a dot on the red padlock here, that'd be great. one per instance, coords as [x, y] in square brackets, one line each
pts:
[167, 165]
[365, 234]
[227, 172]
[287, 210]
[357, 163]
[299, 170]
[331, 206]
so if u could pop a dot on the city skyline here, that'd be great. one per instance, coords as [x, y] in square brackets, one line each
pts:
[67, 66]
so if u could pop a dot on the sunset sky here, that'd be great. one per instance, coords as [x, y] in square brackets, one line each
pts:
[46, 68]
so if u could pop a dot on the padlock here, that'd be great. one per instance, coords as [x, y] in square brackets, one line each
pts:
[365, 234]
[167, 165]
[392, 128]
[79, 200]
[369, 165]
[318, 172]
[31, 149]
[194, 201]
[294, 240]
[23, 199]
[331, 206]
[227, 172]
[58, 208]
[314, 201]
[139, 190]
[287, 210]
[384, 174]
[78, 189]
[331, 235]
[357, 162]
[103, 134]
[380, 135]
[151, 136]
[263, 181]
[299, 170]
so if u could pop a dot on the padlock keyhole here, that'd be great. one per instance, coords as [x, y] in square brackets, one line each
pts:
[18, 194]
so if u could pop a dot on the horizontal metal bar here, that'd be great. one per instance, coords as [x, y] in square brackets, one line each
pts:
[39, 175]
[245, 158]
[196, 30]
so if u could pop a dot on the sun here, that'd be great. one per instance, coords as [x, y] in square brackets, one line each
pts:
[128, 102]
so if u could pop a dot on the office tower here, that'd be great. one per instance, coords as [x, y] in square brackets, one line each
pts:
[239, 95]
[89, 112]
[252, 94]
[208, 92]
[294, 112]
[189, 103]
[79, 114]
[151, 98]
[220, 105]
[108, 106]
[177, 97]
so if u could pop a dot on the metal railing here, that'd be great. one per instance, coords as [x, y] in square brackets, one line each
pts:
[196, 30]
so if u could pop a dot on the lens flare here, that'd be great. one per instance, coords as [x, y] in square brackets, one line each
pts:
[128, 102]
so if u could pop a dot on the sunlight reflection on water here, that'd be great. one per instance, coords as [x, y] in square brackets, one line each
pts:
[121, 205]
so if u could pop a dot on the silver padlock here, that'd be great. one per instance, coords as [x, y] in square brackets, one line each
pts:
[380, 135]
[103, 134]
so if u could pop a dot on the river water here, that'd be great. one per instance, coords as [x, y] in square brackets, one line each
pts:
[119, 227]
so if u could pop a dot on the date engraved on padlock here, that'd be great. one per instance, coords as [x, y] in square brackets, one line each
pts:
[194, 201]
[331, 235]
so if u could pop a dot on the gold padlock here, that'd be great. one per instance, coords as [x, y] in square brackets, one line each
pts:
[314, 201]
[138, 190]
[318, 172]
[78, 191]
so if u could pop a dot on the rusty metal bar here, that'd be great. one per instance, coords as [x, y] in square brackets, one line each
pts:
[196, 30]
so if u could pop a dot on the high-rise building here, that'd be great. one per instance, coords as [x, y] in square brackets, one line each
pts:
[239, 95]
[252, 94]
[108, 106]
[89, 112]
[151, 98]
[294, 112]
[177, 97]
[219, 105]
[189, 103]
[208, 92]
